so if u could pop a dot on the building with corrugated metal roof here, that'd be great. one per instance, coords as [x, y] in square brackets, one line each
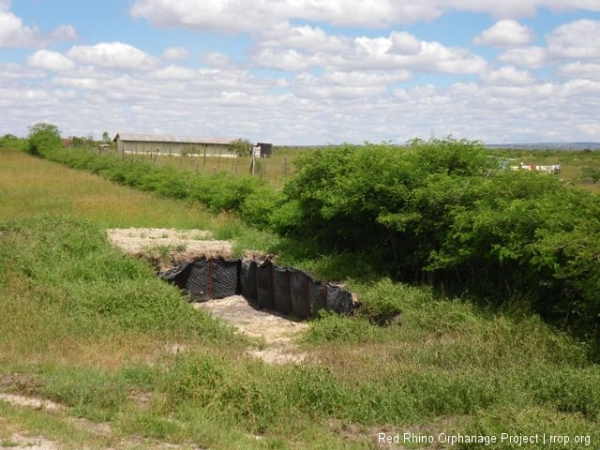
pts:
[171, 145]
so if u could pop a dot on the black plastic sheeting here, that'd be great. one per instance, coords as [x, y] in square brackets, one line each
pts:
[284, 289]
[248, 274]
[206, 279]
[264, 285]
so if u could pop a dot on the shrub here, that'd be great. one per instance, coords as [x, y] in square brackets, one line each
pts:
[43, 137]
[441, 211]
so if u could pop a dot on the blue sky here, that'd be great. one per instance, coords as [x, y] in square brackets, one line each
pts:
[304, 71]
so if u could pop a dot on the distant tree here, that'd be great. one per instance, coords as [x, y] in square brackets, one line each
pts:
[106, 137]
[78, 141]
[90, 141]
[240, 147]
[43, 136]
[10, 140]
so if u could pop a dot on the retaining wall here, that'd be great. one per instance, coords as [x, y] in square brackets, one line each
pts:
[284, 289]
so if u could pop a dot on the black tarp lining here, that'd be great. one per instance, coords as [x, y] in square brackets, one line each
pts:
[285, 289]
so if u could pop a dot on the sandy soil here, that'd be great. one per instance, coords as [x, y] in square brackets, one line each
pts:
[275, 330]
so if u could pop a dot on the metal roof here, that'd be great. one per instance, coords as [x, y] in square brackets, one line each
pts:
[130, 137]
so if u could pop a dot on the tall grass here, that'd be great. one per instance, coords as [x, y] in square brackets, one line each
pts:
[274, 169]
[46, 187]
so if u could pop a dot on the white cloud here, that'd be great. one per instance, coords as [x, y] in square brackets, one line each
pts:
[13, 72]
[337, 106]
[514, 9]
[581, 71]
[64, 33]
[504, 34]
[424, 56]
[355, 85]
[365, 78]
[209, 15]
[49, 60]
[218, 59]
[176, 54]
[400, 50]
[532, 57]
[14, 33]
[233, 16]
[404, 43]
[175, 73]
[289, 60]
[252, 15]
[79, 83]
[334, 86]
[508, 75]
[312, 39]
[116, 55]
[309, 86]
[578, 39]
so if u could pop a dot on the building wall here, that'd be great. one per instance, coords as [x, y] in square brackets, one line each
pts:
[172, 148]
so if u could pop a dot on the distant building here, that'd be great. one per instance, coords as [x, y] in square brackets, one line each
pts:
[266, 149]
[170, 145]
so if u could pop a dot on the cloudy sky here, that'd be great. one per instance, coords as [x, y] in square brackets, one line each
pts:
[304, 71]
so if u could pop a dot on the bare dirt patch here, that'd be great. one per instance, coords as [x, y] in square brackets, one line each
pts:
[19, 442]
[277, 331]
[31, 402]
[167, 247]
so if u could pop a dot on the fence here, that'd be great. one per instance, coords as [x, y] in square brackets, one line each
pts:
[276, 168]
[284, 289]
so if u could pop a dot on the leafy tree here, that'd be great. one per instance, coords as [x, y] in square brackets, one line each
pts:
[241, 147]
[42, 137]
[106, 137]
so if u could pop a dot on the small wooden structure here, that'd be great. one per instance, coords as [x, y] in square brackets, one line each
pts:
[266, 150]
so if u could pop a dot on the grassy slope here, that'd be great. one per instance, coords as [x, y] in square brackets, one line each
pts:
[88, 327]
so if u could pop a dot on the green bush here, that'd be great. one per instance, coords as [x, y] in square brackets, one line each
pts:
[442, 212]
[12, 141]
[43, 137]
[258, 206]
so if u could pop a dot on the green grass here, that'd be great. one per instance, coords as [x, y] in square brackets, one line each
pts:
[572, 163]
[89, 328]
[50, 188]
[275, 169]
